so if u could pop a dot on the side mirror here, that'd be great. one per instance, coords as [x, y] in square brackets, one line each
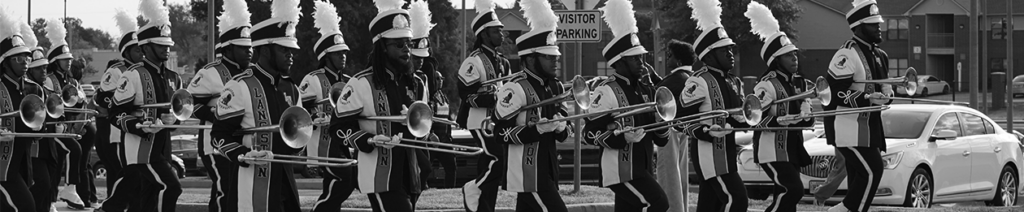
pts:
[943, 135]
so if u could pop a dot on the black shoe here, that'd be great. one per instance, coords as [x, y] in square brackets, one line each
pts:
[74, 206]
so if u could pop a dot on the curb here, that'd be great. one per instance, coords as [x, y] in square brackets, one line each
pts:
[595, 207]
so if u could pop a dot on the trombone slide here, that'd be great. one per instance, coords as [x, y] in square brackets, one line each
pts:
[70, 122]
[342, 161]
[472, 150]
[764, 129]
[836, 112]
[43, 135]
[923, 100]
[243, 158]
[168, 126]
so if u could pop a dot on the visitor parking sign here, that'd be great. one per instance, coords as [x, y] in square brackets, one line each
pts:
[579, 25]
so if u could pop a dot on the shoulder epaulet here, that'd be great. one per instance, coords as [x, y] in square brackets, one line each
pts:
[475, 52]
[116, 64]
[135, 66]
[518, 77]
[364, 73]
[849, 44]
[768, 76]
[700, 71]
[245, 74]
[212, 64]
[315, 72]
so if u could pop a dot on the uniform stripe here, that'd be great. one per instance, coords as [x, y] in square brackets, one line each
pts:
[775, 178]
[728, 201]
[490, 165]
[6, 158]
[638, 195]
[160, 195]
[514, 175]
[540, 201]
[530, 168]
[67, 159]
[328, 191]
[245, 189]
[219, 183]
[863, 129]
[610, 167]
[10, 201]
[871, 178]
[380, 203]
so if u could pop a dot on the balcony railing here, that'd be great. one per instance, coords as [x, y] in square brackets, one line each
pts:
[941, 40]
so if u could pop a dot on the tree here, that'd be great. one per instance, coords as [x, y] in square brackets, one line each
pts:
[190, 35]
[79, 37]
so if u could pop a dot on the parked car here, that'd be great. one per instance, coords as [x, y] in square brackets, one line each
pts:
[100, 169]
[186, 147]
[1018, 85]
[934, 154]
[89, 89]
[927, 85]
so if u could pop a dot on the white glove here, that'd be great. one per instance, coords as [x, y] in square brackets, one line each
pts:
[488, 89]
[718, 131]
[560, 126]
[60, 128]
[6, 137]
[405, 110]
[433, 138]
[805, 110]
[320, 121]
[635, 136]
[546, 127]
[155, 122]
[786, 120]
[381, 141]
[254, 154]
[167, 118]
[395, 139]
[877, 98]
[739, 118]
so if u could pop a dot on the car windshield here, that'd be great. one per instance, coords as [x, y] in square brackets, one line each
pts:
[904, 124]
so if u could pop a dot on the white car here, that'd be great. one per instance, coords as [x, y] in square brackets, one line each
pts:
[935, 154]
[927, 85]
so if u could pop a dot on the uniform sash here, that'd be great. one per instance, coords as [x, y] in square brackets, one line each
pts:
[619, 160]
[260, 141]
[522, 165]
[325, 108]
[6, 147]
[859, 121]
[714, 149]
[772, 144]
[145, 145]
[384, 159]
[477, 115]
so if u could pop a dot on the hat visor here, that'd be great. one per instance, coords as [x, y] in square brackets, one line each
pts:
[289, 42]
[784, 50]
[164, 41]
[637, 50]
[335, 48]
[239, 42]
[718, 44]
[873, 20]
[494, 23]
[548, 50]
[62, 56]
[14, 51]
[395, 33]
[37, 63]
[420, 52]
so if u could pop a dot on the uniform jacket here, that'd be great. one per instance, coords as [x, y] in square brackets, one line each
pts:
[856, 60]
[437, 99]
[256, 98]
[14, 155]
[316, 86]
[43, 148]
[381, 169]
[781, 146]
[622, 161]
[532, 157]
[104, 97]
[676, 82]
[147, 83]
[712, 89]
[205, 88]
[482, 64]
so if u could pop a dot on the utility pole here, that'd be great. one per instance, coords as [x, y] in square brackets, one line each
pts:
[462, 29]
[213, 30]
[984, 56]
[1009, 64]
[974, 56]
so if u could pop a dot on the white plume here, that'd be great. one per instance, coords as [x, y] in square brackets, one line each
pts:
[419, 16]
[56, 32]
[236, 13]
[326, 18]
[620, 17]
[285, 10]
[28, 35]
[707, 13]
[539, 15]
[6, 28]
[483, 6]
[125, 22]
[762, 23]
[155, 12]
[859, 2]
[385, 5]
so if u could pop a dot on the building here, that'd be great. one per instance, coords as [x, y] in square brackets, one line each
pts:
[100, 57]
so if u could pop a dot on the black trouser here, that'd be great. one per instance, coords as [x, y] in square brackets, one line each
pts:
[490, 171]
[788, 189]
[722, 193]
[158, 187]
[640, 194]
[447, 161]
[548, 200]
[398, 199]
[864, 168]
[423, 161]
[71, 151]
[108, 152]
[218, 168]
[42, 187]
[338, 185]
[16, 196]
[86, 189]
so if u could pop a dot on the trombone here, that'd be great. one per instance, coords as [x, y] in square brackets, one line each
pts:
[751, 111]
[579, 92]
[835, 112]
[664, 104]
[908, 81]
[334, 94]
[419, 121]
[820, 91]
[501, 79]
[55, 107]
[71, 94]
[32, 113]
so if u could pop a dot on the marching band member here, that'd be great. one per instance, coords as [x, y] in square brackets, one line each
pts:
[627, 160]
[235, 53]
[147, 174]
[533, 158]
[109, 150]
[255, 98]
[478, 102]
[59, 58]
[672, 173]
[422, 63]
[43, 151]
[861, 138]
[780, 153]
[332, 53]
[389, 176]
[713, 88]
[15, 165]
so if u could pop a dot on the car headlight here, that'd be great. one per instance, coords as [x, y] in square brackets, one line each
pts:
[890, 161]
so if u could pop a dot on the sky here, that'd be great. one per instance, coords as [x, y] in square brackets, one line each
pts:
[99, 13]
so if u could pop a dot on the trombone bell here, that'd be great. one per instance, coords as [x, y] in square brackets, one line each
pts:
[71, 95]
[180, 105]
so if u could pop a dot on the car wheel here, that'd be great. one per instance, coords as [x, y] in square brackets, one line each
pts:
[100, 171]
[919, 190]
[757, 194]
[945, 90]
[1006, 192]
[178, 171]
[924, 92]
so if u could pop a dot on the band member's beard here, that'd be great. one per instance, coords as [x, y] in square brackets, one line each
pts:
[403, 67]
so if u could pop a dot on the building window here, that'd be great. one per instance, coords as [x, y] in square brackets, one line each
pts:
[896, 28]
[897, 67]
[998, 30]
[603, 69]
[997, 64]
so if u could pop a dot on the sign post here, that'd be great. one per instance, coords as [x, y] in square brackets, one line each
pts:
[578, 27]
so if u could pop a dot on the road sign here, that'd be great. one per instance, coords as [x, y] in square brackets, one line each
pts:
[579, 26]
